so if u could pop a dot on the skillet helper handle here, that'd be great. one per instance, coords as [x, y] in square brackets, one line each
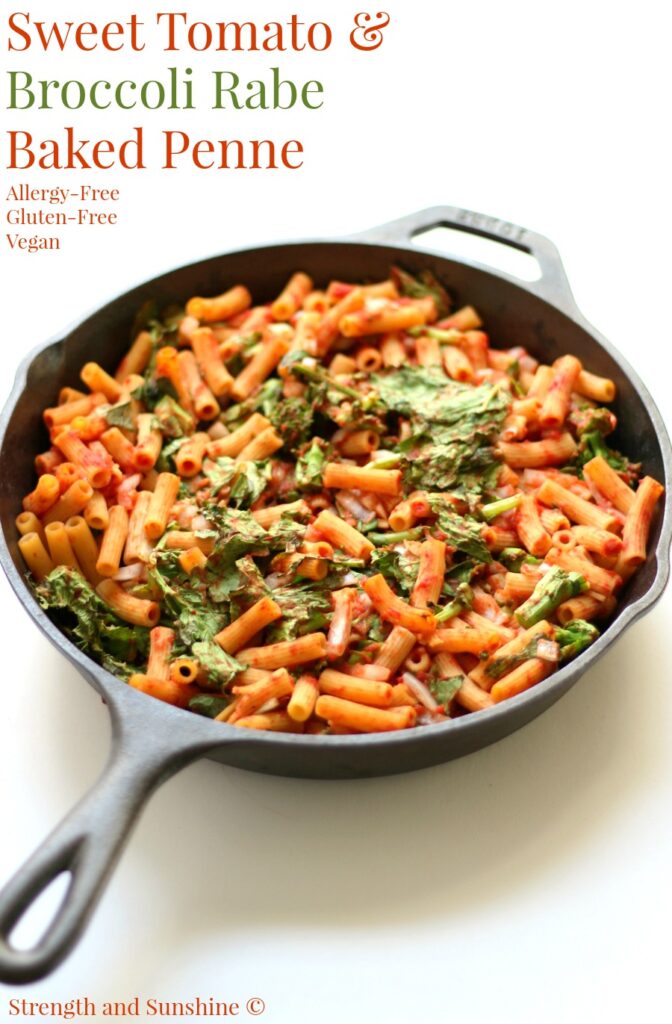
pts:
[87, 844]
[551, 285]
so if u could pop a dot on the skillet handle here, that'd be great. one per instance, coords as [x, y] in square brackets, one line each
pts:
[552, 285]
[87, 844]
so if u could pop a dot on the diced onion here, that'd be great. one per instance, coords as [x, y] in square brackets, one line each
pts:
[129, 572]
[548, 650]
[352, 505]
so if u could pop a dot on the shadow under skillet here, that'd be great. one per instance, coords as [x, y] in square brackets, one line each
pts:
[219, 846]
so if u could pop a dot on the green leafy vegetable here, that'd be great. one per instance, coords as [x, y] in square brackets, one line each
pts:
[461, 532]
[264, 400]
[445, 689]
[250, 483]
[90, 622]
[425, 284]
[310, 465]
[397, 564]
[121, 416]
[219, 667]
[305, 609]
[208, 705]
[293, 421]
[174, 421]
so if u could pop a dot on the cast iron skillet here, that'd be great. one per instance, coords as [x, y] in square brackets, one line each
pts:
[151, 740]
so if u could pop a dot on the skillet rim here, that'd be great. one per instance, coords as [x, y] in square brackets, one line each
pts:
[120, 695]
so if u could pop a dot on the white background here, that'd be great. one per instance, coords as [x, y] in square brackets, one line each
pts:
[526, 883]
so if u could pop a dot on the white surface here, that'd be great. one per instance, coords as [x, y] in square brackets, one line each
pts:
[526, 884]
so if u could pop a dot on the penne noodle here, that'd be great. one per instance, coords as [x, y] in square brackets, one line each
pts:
[363, 718]
[598, 389]
[378, 481]
[259, 367]
[386, 316]
[575, 508]
[60, 549]
[520, 679]
[35, 556]
[75, 499]
[609, 484]
[135, 610]
[287, 653]
[431, 572]
[27, 522]
[221, 307]
[163, 689]
[530, 528]
[292, 296]
[44, 496]
[363, 691]
[247, 625]
[261, 446]
[138, 548]
[396, 648]
[149, 442]
[210, 363]
[114, 539]
[161, 640]
[637, 525]
[393, 609]
[555, 405]
[98, 380]
[189, 457]
[137, 358]
[192, 559]
[85, 548]
[234, 443]
[203, 401]
[303, 699]
[551, 451]
[496, 664]
[162, 500]
[343, 536]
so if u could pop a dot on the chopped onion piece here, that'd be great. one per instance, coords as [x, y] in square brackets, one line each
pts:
[278, 579]
[420, 691]
[352, 505]
[199, 522]
[548, 650]
[430, 718]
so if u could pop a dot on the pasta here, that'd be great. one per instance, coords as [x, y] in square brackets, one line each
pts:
[341, 511]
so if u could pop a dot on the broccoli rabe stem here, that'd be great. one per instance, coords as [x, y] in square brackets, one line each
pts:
[394, 538]
[450, 610]
[554, 588]
[496, 508]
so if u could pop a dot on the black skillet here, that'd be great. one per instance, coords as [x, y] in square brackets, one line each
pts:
[150, 740]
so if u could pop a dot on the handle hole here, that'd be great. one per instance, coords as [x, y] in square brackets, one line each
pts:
[36, 919]
[495, 254]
